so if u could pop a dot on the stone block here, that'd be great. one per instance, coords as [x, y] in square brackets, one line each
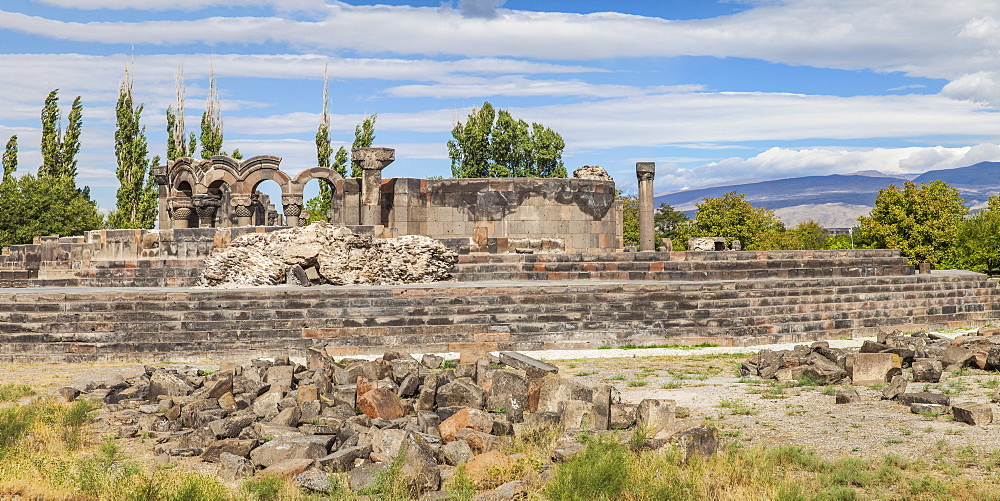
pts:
[873, 368]
[576, 414]
[655, 414]
[702, 441]
[976, 414]
[508, 391]
[927, 370]
[924, 398]
[936, 409]
[623, 416]
[276, 451]
[847, 396]
[484, 467]
[381, 403]
[344, 458]
[475, 419]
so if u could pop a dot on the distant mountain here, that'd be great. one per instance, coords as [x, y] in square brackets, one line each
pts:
[836, 201]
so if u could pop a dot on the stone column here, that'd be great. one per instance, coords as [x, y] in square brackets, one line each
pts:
[243, 208]
[180, 210]
[206, 206]
[372, 161]
[292, 208]
[645, 171]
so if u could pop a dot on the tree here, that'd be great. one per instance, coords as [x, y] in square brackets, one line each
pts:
[211, 121]
[921, 221]
[51, 136]
[175, 123]
[236, 154]
[731, 217]
[9, 159]
[666, 221]
[132, 172]
[59, 150]
[630, 219]
[364, 137]
[493, 144]
[977, 242]
[45, 205]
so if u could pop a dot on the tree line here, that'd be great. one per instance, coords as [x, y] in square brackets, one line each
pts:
[927, 223]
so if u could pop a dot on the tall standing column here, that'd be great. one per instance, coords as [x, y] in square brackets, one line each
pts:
[645, 172]
[372, 161]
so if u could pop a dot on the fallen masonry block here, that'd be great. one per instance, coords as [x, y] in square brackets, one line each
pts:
[976, 414]
[654, 415]
[533, 366]
[927, 370]
[872, 368]
[924, 398]
[847, 396]
[932, 409]
[702, 441]
[895, 388]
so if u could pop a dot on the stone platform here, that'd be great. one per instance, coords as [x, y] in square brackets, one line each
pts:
[124, 323]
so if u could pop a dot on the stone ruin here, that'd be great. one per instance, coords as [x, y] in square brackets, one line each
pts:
[581, 213]
[325, 254]
[356, 416]
[923, 356]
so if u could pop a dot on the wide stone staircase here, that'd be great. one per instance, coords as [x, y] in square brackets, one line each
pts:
[215, 324]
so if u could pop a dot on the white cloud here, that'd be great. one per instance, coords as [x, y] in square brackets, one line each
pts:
[517, 85]
[982, 86]
[163, 5]
[923, 38]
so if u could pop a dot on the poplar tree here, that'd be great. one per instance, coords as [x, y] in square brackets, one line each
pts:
[133, 172]
[176, 147]
[59, 150]
[10, 159]
[211, 121]
[364, 136]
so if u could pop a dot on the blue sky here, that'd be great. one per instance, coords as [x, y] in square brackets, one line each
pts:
[713, 92]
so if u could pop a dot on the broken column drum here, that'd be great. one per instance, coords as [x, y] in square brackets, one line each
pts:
[645, 172]
[372, 161]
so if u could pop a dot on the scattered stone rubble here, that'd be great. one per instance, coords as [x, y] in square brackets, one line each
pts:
[592, 172]
[923, 356]
[322, 253]
[358, 417]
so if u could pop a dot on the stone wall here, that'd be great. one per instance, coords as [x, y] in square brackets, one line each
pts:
[578, 212]
[177, 324]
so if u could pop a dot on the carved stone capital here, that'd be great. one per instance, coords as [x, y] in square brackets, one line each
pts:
[241, 201]
[292, 209]
[373, 158]
[645, 171]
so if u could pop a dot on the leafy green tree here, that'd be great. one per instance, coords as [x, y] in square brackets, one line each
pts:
[31, 206]
[132, 172]
[666, 221]
[58, 149]
[364, 137]
[493, 144]
[977, 242]
[51, 136]
[630, 218]
[10, 159]
[211, 121]
[921, 221]
[731, 217]
[236, 154]
[174, 150]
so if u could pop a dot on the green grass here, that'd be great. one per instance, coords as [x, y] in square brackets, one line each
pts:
[585, 373]
[670, 385]
[12, 392]
[634, 384]
[738, 407]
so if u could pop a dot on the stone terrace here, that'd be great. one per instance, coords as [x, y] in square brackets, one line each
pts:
[197, 324]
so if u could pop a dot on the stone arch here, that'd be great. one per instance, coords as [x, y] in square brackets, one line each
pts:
[214, 177]
[330, 176]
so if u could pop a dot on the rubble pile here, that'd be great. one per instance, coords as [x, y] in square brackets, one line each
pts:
[894, 361]
[360, 417]
[592, 172]
[322, 253]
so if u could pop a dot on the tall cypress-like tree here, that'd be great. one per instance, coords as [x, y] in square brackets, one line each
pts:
[10, 159]
[59, 150]
[51, 136]
[211, 121]
[323, 148]
[71, 140]
[364, 136]
[131, 150]
[176, 146]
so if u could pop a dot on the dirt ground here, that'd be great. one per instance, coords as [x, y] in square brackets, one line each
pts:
[748, 412]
